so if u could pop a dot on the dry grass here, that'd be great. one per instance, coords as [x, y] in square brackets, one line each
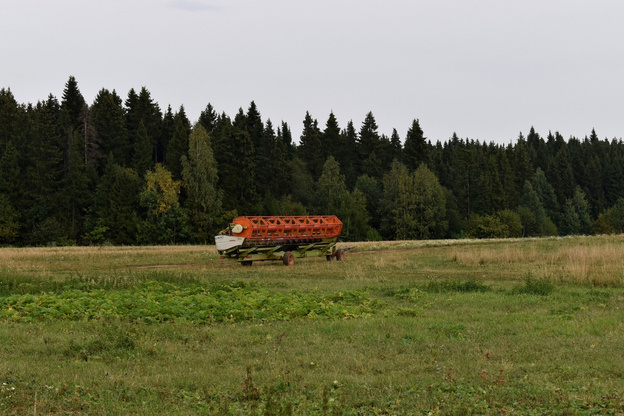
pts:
[82, 259]
[581, 260]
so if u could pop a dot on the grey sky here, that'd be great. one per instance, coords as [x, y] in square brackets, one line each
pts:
[485, 69]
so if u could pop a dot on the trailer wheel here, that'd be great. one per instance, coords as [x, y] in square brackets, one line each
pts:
[329, 257]
[246, 263]
[339, 255]
[288, 258]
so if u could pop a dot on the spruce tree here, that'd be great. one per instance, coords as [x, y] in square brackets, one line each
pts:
[369, 148]
[330, 138]
[310, 149]
[199, 179]
[142, 159]
[177, 147]
[208, 119]
[107, 114]
[416, 148]
[42, 193]
[12, 119]
[117, 203]
[532, 204]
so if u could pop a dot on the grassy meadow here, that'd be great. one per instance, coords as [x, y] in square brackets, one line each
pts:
[525, 327]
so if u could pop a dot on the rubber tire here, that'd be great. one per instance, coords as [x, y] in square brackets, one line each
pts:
[246, 263]
[329, 257]
[339, 255]
[288, 258]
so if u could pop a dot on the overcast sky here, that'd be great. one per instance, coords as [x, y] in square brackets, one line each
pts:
[485, 69]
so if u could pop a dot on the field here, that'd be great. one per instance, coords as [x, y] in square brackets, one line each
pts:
[424, 328]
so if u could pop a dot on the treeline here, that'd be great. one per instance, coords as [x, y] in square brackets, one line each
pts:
[123, 172]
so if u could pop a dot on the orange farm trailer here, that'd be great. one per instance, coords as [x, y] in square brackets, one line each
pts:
[249, 239]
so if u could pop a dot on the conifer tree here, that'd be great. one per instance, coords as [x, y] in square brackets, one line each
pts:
[416, 149]
[389, 204]
[72, 105]
[286, 136]
[369, 148]
[208, 119]
[108, 120]
[330, 138]
[331, 189]
[166, 133]
[199, 179]
[142, 159]
[546, 195]
[117, 203]
[347, 154]
[234, 154]
[12, 120]
[309, 149]
[141, 107]
[177, 147]
[371, 190]
[396, 146]
[42, 192]
[532, 204]
[11, 182]
[9, 221]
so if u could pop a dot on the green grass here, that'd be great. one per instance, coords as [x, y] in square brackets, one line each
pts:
[459, 327]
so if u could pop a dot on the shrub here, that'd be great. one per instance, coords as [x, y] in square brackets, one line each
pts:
[534, 287]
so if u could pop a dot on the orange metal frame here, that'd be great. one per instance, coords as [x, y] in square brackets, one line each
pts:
[302, 227]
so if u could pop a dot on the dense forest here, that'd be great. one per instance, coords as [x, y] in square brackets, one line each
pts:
[123, 172]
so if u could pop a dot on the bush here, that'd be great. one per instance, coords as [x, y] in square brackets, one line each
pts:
[534, 287]
[373, 235]
[487, 226]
